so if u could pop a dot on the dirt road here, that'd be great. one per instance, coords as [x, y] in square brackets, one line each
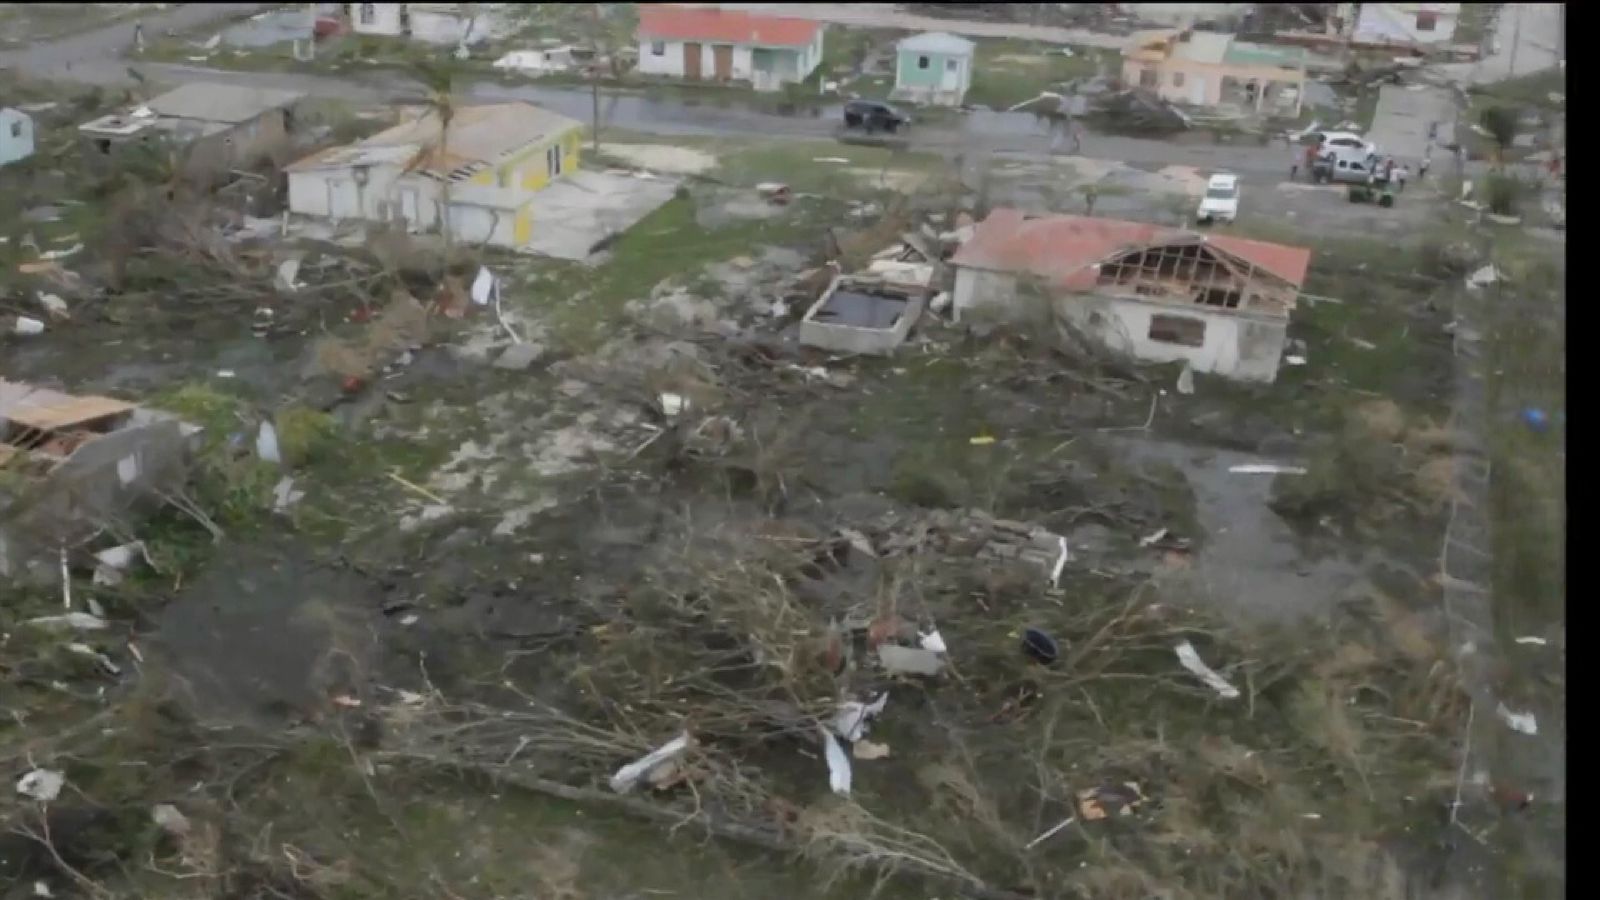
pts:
[102, 46]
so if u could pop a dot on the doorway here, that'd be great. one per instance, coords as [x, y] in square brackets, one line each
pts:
[722, 57]
[691, 61]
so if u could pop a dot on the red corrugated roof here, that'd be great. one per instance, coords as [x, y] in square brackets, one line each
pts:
[723, 26]
[1057, 246]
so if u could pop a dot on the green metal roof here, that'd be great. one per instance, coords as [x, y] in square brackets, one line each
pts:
[1241, 53]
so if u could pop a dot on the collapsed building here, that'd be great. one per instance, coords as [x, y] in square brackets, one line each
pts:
[73, 465]
[1218, 302]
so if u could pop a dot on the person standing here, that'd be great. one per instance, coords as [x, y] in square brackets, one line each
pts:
[1089, 194]
[138, 37]
[1427, 160]
[1401, 173]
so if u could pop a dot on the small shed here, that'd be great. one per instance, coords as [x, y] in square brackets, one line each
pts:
[16, 135]
[933, 68]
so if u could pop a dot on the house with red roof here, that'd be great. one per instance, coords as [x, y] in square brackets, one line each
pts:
[709, 44]
[1218, 302]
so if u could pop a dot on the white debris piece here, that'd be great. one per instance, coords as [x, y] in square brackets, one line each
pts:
[286, 280]
[54, 305]
[1483, 277]
[1192, 661]
[41, 888]
[267, 444]
[60, 254]
[170, 819]
[629, 775]
[28, 325]
[851, 719]
[672, 404]
[284, 495]
[1535, 641]
[1186, 380]
[1153, 538]
[858, 542]
[42, 785]
[868, 750]
[897, 660]
[1523, 722]
[483, 286]
[830, 159]
[1295, 360]
[933, 641]
[1061, 563]
[838, 764]
[1266, 469]
[113, 561]
[76, 621]
[103, 660]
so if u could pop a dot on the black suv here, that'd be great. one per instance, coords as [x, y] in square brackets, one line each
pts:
[871, 115]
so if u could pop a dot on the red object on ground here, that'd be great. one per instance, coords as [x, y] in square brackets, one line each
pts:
[353, 383]
[327, 26]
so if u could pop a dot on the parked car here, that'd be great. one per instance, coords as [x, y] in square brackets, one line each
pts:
[873, 115]
[1221, 200]
[1341, 169]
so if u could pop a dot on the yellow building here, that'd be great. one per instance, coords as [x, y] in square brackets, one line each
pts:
[485, 172]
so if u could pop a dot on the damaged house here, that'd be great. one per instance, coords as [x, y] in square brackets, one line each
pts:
[1220, 303]
[485, 175]
[71, 465]
[1203, 68]
[223, 126]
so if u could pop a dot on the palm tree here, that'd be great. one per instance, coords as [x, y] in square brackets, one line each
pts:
[1501, 123]
[438, 94]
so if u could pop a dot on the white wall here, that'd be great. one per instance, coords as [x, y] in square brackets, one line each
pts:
[15, 146]
[478, 224]
[385, 19]
[1395, 23]
[447, 28]
[670, 63]
[1236, 345]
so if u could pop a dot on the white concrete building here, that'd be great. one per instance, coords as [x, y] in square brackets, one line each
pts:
[1407, 23]
[16, 135]
[703, 44]
[1220, 303]
[433, 23]
[485, 175]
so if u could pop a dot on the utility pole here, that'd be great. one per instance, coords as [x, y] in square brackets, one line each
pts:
[1516, 37]
[594, 73]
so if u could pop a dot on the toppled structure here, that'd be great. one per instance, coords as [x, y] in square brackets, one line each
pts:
[863, 314]
[1220, 303]
[1210, 69]
[72, 464]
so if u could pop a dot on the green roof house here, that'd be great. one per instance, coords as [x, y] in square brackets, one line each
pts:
[934, 68]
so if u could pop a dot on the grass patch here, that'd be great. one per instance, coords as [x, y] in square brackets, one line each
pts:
[1007, 72]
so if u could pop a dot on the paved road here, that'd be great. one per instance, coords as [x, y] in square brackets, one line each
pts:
[886, 15]
[1400, 124]
[102, 46]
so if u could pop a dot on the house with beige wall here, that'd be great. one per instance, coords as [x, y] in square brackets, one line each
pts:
[1201, 68]
[483, 177]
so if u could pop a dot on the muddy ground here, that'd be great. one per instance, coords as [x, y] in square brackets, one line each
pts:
[506, 576]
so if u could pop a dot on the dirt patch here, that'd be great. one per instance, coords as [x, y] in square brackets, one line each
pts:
[663, 158]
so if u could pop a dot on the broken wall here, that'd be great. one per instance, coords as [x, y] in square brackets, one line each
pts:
[1235, 345]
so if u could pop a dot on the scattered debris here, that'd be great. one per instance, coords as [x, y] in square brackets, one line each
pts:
[1535, 641]
[42, 785]
[897, 660]
[629, 775]
[933, 641]
[981, 440]
[267, 444]
[113, 561]
[1040, 647]
[831, 159]
[285, 279]
[76, 621]
[53, 255]
[484, 286]
[1191, 660]
[838, 764]
[1153, 538]
[1186, 380]
[868, 750]
[1266, 469]
[672, 404]
[28, 325]
[1097, 803]
[54, 305]
[519, 356]
[776, 193]
[852, 718]
[1521, 722]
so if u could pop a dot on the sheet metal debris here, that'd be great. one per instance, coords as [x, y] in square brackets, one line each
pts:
[1266, 469]
[629, 775]
[42, 785]
[113, 561]
[1191, 660]
[1523, 722]
[75, 621]
[868, 750]
[838, 764]
[897, 660]
[267, 443]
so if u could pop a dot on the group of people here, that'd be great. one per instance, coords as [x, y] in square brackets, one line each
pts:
[1386, 171]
